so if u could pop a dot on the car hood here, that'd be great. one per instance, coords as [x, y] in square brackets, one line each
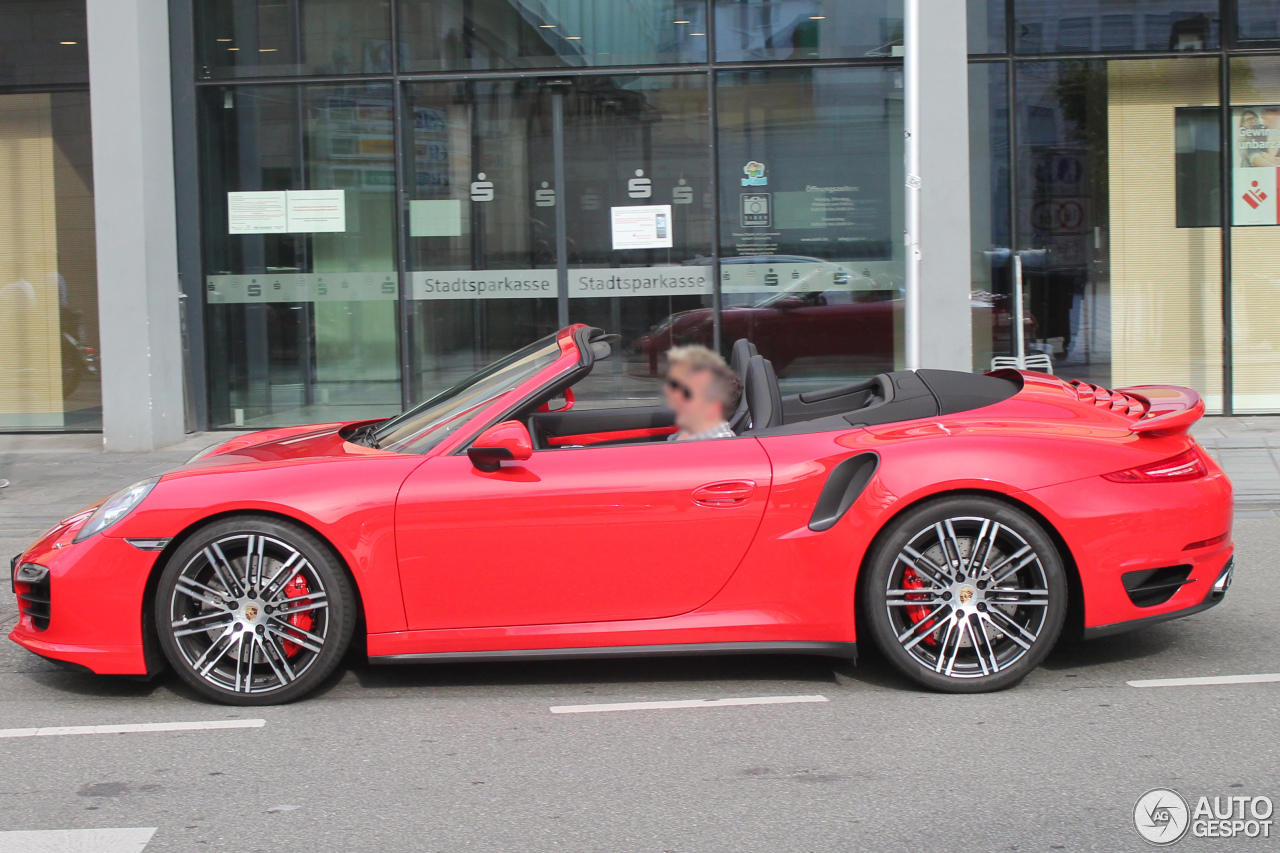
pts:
[286, 443]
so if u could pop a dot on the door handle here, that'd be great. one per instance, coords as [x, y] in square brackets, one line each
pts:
[727, 493]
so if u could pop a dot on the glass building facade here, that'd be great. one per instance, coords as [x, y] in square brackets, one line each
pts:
[488, 164]
[1119, 149]
[48, 280]
[376, 197]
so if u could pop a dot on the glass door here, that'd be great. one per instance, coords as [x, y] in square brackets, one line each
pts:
[537, 203]
[480, 225]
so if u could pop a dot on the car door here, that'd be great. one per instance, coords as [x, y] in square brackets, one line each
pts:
[578, 534]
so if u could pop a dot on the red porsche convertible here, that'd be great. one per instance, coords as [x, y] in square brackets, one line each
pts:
[958, 521]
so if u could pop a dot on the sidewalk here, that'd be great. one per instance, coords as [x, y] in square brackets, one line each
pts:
[51, 476]
[1248, 449]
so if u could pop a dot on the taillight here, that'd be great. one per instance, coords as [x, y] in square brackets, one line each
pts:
[1185, 466]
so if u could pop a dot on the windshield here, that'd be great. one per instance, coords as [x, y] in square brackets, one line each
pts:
[426, 425]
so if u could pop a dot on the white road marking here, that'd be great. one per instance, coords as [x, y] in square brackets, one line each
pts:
[77, 841]
[684, 703]
[132, 728]
[1207, 681]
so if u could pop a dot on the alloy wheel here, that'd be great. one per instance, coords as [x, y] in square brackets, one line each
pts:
[965, 594]
[249, 613]
[967, 597]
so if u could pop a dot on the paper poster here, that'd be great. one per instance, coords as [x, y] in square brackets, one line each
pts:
[316, 211]
[645, 226]
[1254, 173]
[286, 211]
[256, 213]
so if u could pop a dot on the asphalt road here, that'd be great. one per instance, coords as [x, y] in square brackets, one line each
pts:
[470, 758]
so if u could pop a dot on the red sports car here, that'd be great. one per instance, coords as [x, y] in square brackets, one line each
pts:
[959, 521]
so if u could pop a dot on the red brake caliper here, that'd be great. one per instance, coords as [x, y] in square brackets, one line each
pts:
[303, 621]
[916, 612]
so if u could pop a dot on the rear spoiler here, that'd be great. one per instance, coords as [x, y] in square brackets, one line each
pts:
[1171, 410]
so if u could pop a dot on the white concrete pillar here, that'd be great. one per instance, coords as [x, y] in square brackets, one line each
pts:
[946, 339]
[142, 403]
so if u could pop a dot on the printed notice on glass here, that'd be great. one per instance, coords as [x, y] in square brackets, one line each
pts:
[316, 211]
[257, 213]
[645, 226]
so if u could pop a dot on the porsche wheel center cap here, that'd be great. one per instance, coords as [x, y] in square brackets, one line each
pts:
[251, 612]
[966, 594]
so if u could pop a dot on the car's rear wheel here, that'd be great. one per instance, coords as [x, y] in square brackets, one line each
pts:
[965, 594]
[254, 611]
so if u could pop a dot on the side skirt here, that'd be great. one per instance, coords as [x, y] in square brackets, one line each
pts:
[848, 651]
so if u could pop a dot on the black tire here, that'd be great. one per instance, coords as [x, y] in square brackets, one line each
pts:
[261, 583]
[977, 623]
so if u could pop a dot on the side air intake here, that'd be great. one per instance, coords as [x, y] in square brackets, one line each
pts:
[1149, 587]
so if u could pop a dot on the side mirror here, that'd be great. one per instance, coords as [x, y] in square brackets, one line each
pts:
[507, 441]
[566, 396]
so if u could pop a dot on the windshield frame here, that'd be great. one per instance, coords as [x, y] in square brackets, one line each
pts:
[405, 433]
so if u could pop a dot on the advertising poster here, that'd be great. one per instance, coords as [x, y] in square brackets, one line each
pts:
[1255, 173]
[644, 226]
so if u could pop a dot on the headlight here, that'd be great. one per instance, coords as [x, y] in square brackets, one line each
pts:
[115, 508]
[208, 451]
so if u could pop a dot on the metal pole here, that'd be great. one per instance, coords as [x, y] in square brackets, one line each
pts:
[562, 248]
[911, 158]
[1019, 328]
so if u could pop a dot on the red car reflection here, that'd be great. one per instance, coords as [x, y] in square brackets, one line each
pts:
[856, 326]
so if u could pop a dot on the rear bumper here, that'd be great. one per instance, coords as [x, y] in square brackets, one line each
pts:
[1217, 592]
[1116, 532]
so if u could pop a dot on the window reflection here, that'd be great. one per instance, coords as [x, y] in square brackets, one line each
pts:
[1257, 20]
[481, 242]
[481, 34]
[807, 29]
[989, 218]
[48, 274]
[301, 302]
[1255, 235]
[808, 200]
[244, 38]
[987, 26]
[483, 219]
[1087, 26]
[43, 42]
[1116, 292]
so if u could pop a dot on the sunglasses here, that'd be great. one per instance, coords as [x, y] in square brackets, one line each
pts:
[678, 387]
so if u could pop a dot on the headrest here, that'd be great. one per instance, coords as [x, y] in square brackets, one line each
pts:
[742, 352]
[764, 399]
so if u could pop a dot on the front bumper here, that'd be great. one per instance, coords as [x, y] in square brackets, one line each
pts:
[88, 611]
[1217, 592]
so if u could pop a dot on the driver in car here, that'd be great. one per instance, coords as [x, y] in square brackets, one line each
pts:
[702, 391]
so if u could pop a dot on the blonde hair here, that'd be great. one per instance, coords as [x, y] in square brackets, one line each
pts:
[696, 357]
[725, 385]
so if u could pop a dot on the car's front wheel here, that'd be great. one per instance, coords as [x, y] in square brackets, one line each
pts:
[965, 594]
[254, 611]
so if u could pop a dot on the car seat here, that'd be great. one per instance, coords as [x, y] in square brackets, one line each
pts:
[764, 399]
[739, 358]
